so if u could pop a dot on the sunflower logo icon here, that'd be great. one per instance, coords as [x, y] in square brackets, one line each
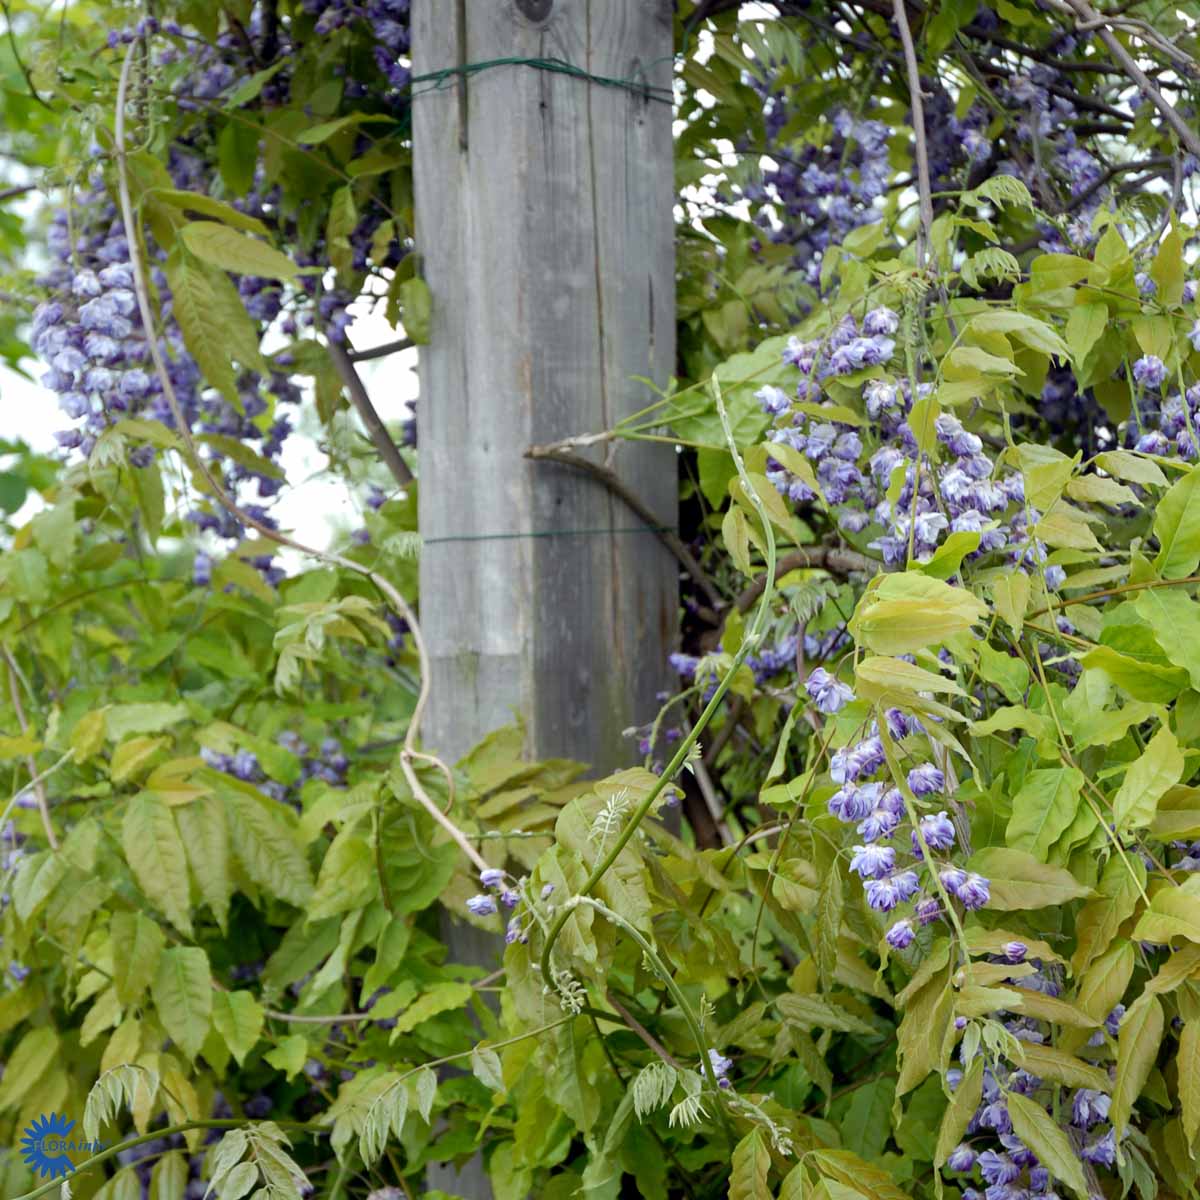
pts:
[42, 1145]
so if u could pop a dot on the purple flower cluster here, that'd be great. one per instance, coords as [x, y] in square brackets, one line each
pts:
[329, 765]
[1006, 1167]
[889, 866]
[810, 194]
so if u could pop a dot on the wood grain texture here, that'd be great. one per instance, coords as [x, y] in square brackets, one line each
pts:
[545, 225]
[544, 210]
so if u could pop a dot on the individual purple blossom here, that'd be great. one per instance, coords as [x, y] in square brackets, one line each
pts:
[938, 832]
[928, 910]
[1102, 1151]
[962, 1158]
[775, 401]
[926, 779]
[510, 898]
[492, 877]
[1149, 371]
[1194, 335]
[1015, 951]
[997, 1168]
[547, 890]
[975, 892]
[827, 693]
[1089, 1107]
[873, 861]
[850, 803]
[481, 905]
[901, 935]
[880, 322]
[879, 823]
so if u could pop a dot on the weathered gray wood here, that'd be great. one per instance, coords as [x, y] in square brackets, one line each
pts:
[544, 221]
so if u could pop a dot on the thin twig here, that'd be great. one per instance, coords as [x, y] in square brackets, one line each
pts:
[1187, 135]
[13, 192]
[837, 560]
[643, 1032]
[612, 481]
[921, 150]
[357, 356]
[36, 780]
[711, 801]
[389, 592]
[382, 440]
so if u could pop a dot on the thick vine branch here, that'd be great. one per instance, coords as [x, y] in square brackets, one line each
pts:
[376, 430]
[835, 559]
[613, 482]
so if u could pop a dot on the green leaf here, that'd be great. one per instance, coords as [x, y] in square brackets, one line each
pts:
[1173, 912]
[137, 944]
[815, 1012]
[229, 250]
[197, 305]
[154, 851]
[1019, 881]
[182, 992]
[750, 1167]
[290, 1055]
[348, 878]
[1175, 618]
[122, 720]
[848, 1169]
[210, 206]
[1137, 1048]
[486, 1067]
[959, 1112]
[1085, 327]
[1167, 270]
[866, 1125]
[250, 87]
[1118, 893]
[323, 132]
[1048, 1062]
[268, 850]
[1034, 333]
[205, 832]
[170, 1178]
[907, 612]
[1043, 810]
[1187, 1065]
[417, 310]
[1177, 527]
[1147, 781]
[1010, 595]
[439, 999]
[27, 1066]
[343, 216]
[238, 1018]
[1032, 1124]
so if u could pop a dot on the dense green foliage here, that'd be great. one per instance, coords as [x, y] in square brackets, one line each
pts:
[933, 899]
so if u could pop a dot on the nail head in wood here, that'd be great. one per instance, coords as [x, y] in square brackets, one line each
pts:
[535, 10]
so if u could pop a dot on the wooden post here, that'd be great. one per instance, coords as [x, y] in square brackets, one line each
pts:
[545, 228]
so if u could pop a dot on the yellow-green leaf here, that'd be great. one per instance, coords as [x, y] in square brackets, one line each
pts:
[154, 851]
[1147, 780]
[220, 246]
[1177, 527]
[1032, 1124]
[1137, 1048]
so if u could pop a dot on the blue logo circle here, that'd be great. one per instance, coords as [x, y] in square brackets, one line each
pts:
[43, 1143]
